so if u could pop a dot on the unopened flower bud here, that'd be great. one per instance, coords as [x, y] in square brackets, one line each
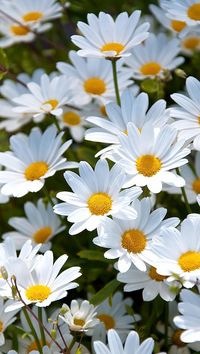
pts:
[53, 333]
[4, 273]
[181, 73]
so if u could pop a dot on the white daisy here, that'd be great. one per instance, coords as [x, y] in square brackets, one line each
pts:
[188, 112]
[186, 10]
[176, 255]
[43, 284]
[150, 282]
[148, 157]
[33, 159]
[191, 43]
[80, 316]
[132, 345]
[155, 57]
[189, 320]
[40, 225]
[11, 89]
[129, 239]
[94, 77]
[45, 350]
[74, 120]
[96, 195]
[49, 96]
[133, 109]
[177, 27]
[6, 319]
[104, 37]
[12, 32]
[192, 181]
[114, 315]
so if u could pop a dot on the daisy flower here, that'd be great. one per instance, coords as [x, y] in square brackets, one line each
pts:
[132, 344]
[129, 239]
[114, 315]
[12, 32]
[96, 195]
[74, 120]
[191, 43]
[187, 10]
[188, 112]
[133, 109]
[176, 255]
[189, 320]
[32, 159]
[40, 225]
[148, 157]
[45, 350]
[192, 181]
[155, 57]
[43, 284]
[94, 77]
[11, 89]
[104, 37]
[80, 316]
[177, 27]
[6, 319]
[150, 282]
[49, 96]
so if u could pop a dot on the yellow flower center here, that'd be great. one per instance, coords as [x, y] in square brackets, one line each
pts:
[148, 165]
[32, 16]
[33, 346]
[194, 12]
[38, 292]
[196, 186]
[151, 68]
[79, 322]
[113, 47]
[178, 26]
[52, 102]
[71, 118]
[95, 86]
[19, 30]
[1, 326]
[100, 203]
[108, 321]
[36, 170]
[42, 234]
[191, 43]
[189, 261]
[176, 338]
[155, 276]
[134, 241]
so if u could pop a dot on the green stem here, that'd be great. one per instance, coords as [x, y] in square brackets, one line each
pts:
[56, 123]
[184, 195]
[33, 331]
[47, 195]
[114, 69]
[71, 346]
[41, 327]
[166, 324]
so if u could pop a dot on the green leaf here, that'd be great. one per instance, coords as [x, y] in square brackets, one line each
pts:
[92, 255]
[105, 292]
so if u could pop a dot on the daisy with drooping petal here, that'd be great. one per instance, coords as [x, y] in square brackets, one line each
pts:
[132, 345]
[187, 10]
[177, 27]
[129, 239]
[96, 195]
[114, 315]
[6, 319]
[148, 157]
[43, 284]
[133, 109]
[40, 225]
[49, 96]
[80, 316]
[33, 159]
[190, 44]
[11, 89]
[94, 77]
[104, 37]
[188, 112]
[155, 57]
[176, 255]
[189, 320]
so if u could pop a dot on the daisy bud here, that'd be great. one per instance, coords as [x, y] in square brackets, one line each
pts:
[53, 333]
[181, 73]
[4, 273]
[14, 291]
[64, 309]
